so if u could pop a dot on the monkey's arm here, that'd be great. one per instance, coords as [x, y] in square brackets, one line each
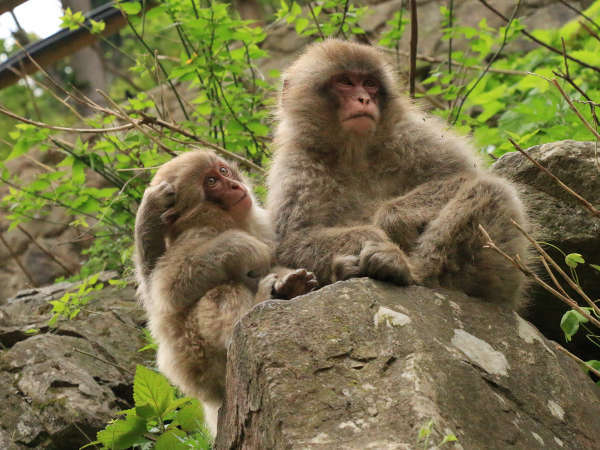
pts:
[199, 261]
[150, 227]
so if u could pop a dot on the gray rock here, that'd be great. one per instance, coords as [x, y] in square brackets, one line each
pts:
[363, 364]
[62, 385]
[560, 220]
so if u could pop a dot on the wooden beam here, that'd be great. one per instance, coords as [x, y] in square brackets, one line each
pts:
[61, 44]
[9, 5]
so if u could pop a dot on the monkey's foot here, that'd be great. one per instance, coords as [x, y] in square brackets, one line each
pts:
[295, 283]
[386, 262]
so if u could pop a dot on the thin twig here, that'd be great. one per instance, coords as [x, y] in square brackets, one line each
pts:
[341, 29]
[488, 65]
[575, 110]
[245, 162]
[151, 52]
[312, 13]
[554, 280]
[14, 256]
[579, 12]
[582, 200]
[590, 31]
[589, 101]
[414, 38]
[561, 272]
[46, 251]
[136, 124]
[103, 360]
[516, 261]
[575, 358]
[450, 19]
[537, 41]
[432, 59]
[8, 113]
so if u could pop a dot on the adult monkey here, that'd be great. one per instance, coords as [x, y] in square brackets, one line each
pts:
[363, 184]
[203, 259]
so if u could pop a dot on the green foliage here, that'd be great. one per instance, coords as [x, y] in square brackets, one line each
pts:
[425, 433]
[70, 304]
[231, 109]
[570, 322]
[514, 97]
[159, 419]
[329, 18]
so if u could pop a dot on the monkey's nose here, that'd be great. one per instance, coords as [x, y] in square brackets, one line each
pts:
[363, 100]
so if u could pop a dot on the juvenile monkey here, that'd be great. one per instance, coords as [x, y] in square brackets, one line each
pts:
[363, 184]
[203, 257]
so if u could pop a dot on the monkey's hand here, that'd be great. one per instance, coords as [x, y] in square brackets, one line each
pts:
[386, 262]
[159, 200]
[345, 267]
[294, 283]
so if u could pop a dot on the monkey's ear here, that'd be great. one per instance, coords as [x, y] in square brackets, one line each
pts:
[169, 216]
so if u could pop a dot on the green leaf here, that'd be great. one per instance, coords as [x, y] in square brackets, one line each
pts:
[131, 8]
[570, 323]
[78, 172]
[122, 434]
[301, 24]
[171, 440]
[595, 364]
[449, 438]
[595, 267]
[573, 260]
[97, 27]
[425, 430]
[191, 417]
[152, 388]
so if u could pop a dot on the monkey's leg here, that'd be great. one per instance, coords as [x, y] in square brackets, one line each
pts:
[404, 218]
[450, 251]
[192, 343]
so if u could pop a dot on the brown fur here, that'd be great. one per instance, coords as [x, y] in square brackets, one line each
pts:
[401, 204]
[199, 272]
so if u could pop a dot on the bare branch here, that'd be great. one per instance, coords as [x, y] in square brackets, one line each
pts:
[561, 272]
[14, 256]
[537, 41]
[575, 110]
[580, 361]
[8, 113]
[414, 38]
[516, 261]
[582, 200]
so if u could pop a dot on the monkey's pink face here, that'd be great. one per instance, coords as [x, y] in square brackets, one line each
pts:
[223, 187]
[358, 97]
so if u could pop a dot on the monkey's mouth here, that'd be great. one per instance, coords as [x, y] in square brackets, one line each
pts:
[239, 200]
[360, 115]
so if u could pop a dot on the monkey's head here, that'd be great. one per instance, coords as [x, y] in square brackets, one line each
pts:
[335, 93]
[209, 192]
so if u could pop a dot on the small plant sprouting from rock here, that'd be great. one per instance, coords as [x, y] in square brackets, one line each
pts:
[159, 419]
[425, 434]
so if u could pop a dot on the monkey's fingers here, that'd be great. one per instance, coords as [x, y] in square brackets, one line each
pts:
[295, 283]
[345, 267]
[386, 262]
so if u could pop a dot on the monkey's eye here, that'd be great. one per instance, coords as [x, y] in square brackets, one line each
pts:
[370, 83]
[224, 171]
[211, 181]
[344, 79]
